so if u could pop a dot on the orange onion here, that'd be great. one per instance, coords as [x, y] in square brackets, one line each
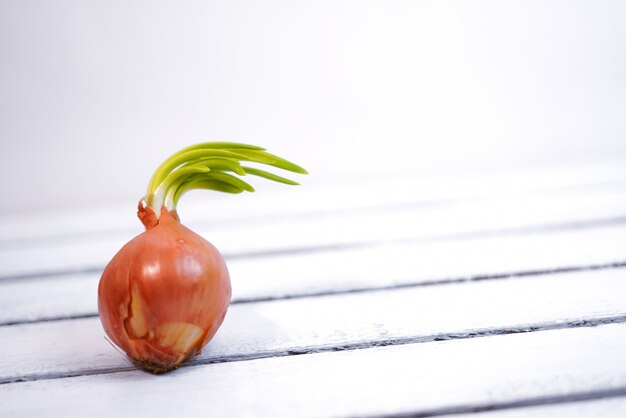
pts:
[164, 295]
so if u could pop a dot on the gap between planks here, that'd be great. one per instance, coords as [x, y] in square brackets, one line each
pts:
[604, 405]
[525, 406]
[373, 288]
[341, 322]
[501, 218]
[527, 230]
[361, 345]
[381, 267]
[321, 199]
[425, 379]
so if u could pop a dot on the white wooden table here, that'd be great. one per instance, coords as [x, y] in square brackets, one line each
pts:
[484, 296]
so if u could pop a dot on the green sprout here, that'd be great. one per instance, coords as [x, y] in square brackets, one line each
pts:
[212, 166]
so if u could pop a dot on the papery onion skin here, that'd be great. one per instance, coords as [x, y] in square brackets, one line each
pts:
[164, 294]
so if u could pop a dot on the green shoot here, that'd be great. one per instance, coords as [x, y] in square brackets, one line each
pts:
[212, 166]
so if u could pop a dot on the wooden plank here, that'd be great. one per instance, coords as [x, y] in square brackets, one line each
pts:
[411, 378]
[348, 270]
[311, 324]
[317, 197]
[347, 229]
[606, 408]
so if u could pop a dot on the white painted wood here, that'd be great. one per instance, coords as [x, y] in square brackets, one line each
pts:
[390, 265]
[373, 191]
[323, 272]
[600, 408]
[384, 380]
[270, 328]
[39, 299]
[471, 217]
[418, 232]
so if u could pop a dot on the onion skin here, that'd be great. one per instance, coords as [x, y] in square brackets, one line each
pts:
[164, 294]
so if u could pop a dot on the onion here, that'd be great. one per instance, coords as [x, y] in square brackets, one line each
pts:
[164, 295]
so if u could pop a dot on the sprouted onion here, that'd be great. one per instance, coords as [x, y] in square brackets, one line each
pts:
[166, 292]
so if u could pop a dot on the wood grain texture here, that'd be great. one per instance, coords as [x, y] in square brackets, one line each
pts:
[348, 270]
[345, 229]
[416, 378]
[285, 327]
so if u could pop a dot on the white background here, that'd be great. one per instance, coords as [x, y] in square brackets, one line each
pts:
[94, 94]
